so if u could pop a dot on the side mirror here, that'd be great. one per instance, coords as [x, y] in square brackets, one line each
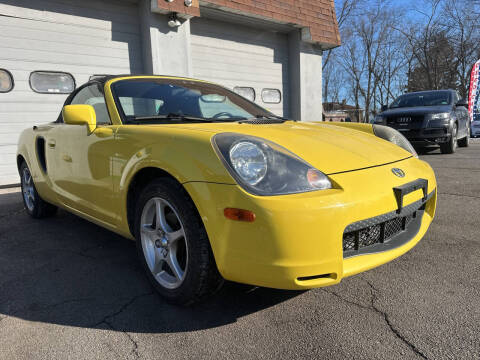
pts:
[462, 103]
[384, 107]
[80, 115]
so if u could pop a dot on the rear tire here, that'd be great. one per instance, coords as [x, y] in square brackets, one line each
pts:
[172, 244]
[36, 207]
[465, 142]
[451, 145]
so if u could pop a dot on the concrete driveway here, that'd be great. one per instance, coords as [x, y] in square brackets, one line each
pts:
[69, 289]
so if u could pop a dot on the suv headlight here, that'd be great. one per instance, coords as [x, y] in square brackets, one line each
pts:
[440, 116]
[264, 168]
[379, 119]
[394, 136]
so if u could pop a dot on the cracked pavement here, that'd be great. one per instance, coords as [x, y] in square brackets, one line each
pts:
[70, 289]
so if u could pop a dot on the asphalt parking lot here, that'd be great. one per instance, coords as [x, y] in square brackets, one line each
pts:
[70, 289]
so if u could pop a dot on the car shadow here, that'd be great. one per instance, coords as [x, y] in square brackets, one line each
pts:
[67, 271]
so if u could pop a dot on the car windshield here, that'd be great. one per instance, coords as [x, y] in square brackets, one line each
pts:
[174, 100]
[433, 98]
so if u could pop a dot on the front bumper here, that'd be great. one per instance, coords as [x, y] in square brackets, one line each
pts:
[427, 136]
[296, 241]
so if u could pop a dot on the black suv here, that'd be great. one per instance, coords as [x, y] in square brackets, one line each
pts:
[437, 117]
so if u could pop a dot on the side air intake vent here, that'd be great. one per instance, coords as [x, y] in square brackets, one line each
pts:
[42, 160]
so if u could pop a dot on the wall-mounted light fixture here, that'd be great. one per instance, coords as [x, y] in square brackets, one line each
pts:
[188, 2]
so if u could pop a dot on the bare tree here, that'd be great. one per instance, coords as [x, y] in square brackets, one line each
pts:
[386, 51]
[345, 10]
[463, 26]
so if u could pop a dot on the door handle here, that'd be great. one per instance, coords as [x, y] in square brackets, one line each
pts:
[51, 144]
[67, 158]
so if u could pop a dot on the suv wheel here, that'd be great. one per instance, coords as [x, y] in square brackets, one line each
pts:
[465, 142]
[450, 146]
[172, 244]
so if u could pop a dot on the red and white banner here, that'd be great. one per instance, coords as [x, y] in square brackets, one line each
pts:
[473, 96]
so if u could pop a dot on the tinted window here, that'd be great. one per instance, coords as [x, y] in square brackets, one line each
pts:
[91, 95]
[48, 82]
[6, 81]
[433, 98]
[161, 97]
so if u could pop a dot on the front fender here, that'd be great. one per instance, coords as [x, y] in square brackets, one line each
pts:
[188, 156]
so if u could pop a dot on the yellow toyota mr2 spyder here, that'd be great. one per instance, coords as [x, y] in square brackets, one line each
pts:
[211, 186]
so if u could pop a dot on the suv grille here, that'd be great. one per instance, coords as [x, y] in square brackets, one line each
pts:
[405, 119]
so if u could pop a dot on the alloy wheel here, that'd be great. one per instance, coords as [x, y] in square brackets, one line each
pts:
[27, 189]
[164, 243]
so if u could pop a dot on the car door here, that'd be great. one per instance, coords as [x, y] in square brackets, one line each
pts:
[83, 176]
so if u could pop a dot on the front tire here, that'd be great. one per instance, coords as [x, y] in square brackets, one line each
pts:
[465, 142]
[172, 244]
[451, 145]
[36, 207]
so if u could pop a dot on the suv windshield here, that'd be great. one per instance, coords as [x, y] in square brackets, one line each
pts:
[433, 98]
[172, 100]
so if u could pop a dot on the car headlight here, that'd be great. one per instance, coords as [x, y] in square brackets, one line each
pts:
[394, 136]
[440, 116]
[264, 168]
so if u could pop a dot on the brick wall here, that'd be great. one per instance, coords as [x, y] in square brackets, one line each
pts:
[316, 16]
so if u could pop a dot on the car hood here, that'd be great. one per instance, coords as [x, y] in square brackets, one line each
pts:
[417, 110]
[329, 148]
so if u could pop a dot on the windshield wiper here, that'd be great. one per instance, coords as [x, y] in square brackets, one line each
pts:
[171, 116]
[270, 117]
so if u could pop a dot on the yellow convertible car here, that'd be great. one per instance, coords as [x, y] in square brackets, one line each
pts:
[211, 186]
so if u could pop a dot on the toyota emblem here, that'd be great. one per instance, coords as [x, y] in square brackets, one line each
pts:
[398, 172]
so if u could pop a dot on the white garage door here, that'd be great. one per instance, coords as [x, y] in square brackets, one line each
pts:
[239, 56]
[79, 37]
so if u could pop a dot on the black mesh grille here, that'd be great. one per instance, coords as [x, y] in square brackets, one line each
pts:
[393, 227]
[369, 236]
[376, 234]
[349, 241]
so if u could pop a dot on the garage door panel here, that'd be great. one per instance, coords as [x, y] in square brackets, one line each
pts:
[72, 13]
[47, 45]
[6, 107]
[6, 154]
[241, 61]
[246, 48]
[261, 79]
[235, 32]
[235, 55]
[27, 118]
[34, 29]
[21, 70]
[79, 37]
[60, 57]
[29, 97]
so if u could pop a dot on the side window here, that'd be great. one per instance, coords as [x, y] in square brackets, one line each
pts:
[6, 81]
[91, 95]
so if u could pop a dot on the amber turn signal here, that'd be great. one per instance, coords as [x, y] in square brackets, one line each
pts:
[239, 215]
